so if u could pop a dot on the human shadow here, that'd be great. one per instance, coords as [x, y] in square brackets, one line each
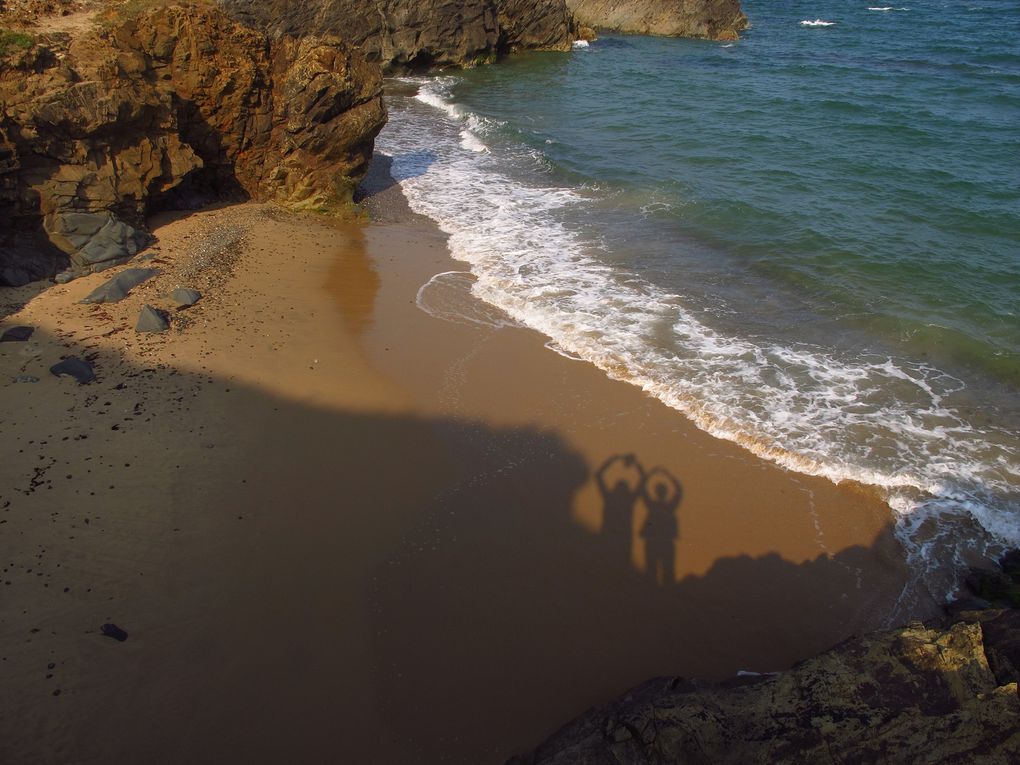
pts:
[619, 502]
[660, 493]
[415, 587]
[661, 527]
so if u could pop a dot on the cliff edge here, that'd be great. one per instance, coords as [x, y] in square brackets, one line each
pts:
[417, 34]
[710, 19]
[177, 106]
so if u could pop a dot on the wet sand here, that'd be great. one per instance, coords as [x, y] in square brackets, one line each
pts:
[338, 528]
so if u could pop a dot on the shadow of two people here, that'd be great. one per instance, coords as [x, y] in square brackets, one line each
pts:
[660, 493]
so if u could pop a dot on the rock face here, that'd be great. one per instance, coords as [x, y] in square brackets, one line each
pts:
[412, 34]
[177, 106]
[711, 19]
[912, 695]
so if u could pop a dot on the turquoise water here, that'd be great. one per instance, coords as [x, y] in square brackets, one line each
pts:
[808, 241]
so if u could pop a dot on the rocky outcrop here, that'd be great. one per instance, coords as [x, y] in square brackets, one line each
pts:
[912, 695]
[414, 34]
[178, 106]
[711, 19]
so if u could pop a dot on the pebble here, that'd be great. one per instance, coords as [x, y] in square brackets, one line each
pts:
[115, 632]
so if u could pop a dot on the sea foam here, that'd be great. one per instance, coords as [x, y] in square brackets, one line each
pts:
[866, 418]
[817, 23]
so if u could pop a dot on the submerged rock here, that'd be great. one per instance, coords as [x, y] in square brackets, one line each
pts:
[76, 368]
[151, 320]
[117, 288]
[912, 695]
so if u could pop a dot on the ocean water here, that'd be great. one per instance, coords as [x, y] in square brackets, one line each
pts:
[806, 241]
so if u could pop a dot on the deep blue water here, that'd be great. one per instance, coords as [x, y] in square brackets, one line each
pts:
[808, 241]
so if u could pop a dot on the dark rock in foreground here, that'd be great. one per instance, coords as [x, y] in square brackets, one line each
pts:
[151, 320]
[16, 334]
[76, 368]
[184, 297]
[912, 695]
[117, 288]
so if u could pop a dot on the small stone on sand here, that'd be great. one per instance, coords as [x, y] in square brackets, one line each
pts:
[16, 334]
[185, 296]
[76, 368]
[117, 288]
[115, 632]
[151, 320]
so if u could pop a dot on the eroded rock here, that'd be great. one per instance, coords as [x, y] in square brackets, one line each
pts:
[912, 695]
[178, 106]
[414, 34]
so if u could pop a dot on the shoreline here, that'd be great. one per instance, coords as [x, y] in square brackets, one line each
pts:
[326, 515]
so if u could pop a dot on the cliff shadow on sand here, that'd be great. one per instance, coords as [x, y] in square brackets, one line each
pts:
[299, 580]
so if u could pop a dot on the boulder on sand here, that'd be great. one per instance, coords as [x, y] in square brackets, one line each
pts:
[184, 297]
[16, 334]
[117, 288]
[151, 320]
[76, 368]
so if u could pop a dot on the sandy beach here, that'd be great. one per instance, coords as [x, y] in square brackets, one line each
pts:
[336, 527]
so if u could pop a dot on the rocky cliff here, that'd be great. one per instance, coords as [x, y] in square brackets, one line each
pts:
[412, 34]
[912, 695]
[178, 105]
[711, 19]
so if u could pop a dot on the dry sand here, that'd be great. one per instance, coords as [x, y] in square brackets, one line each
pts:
[337, 528]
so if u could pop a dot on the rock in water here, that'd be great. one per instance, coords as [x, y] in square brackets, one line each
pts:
[16, 334]
[76, 368]
[117, 288]
[115, 632]
[151, 320]
[184, 297]
[712, 19]
[416, 34]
